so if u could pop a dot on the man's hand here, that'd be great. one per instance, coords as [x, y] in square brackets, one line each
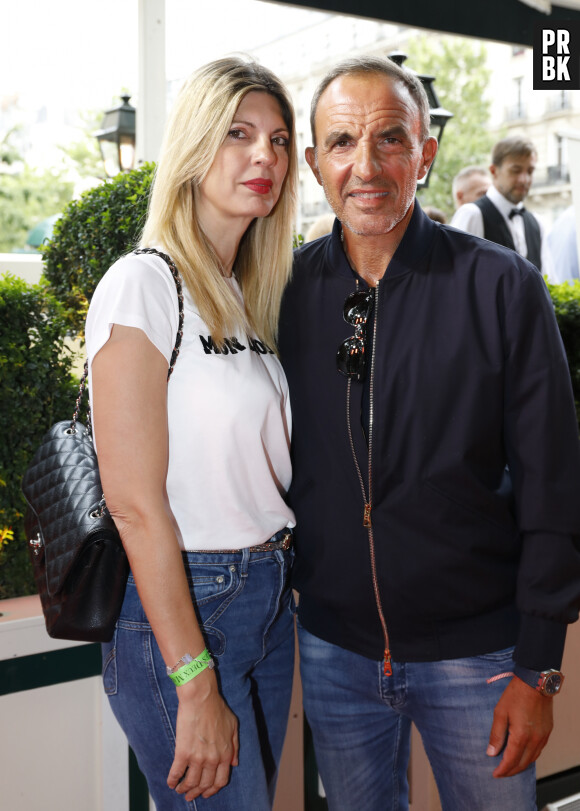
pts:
[525, 717]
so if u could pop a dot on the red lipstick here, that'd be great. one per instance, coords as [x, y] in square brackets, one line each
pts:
[261, 185]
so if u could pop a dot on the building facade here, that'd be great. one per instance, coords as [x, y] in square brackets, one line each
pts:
[303, 57]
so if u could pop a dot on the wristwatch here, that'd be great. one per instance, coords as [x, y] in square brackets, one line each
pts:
[546, 682]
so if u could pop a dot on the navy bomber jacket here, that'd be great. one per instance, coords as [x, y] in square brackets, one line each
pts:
[471, 380]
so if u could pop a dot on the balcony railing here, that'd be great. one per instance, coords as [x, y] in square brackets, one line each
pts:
[516, 113]
[553, 175]
[315, 209]
[561, 101]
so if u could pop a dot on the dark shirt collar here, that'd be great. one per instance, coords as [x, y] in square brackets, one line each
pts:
[415, 245]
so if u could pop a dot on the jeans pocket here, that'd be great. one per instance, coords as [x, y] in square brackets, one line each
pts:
[498, 656]
[213, 588]
[211, 582]
[498, 665]
[110, 666]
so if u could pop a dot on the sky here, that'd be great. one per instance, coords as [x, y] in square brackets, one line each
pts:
[82, 52]
[76, 56]
[56, 50]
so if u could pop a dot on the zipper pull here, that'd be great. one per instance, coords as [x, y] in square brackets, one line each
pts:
[387, 669]
[367, 516]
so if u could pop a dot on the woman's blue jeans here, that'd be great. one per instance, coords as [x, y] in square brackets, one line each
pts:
[245, 607]
[361, 723]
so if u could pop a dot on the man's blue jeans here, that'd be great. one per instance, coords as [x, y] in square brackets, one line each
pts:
[246, 609]
[361, 722]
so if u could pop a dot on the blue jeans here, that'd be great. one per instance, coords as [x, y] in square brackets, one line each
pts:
[245, 607]
[361, 723]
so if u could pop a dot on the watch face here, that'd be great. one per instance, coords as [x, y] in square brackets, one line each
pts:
[552, 684]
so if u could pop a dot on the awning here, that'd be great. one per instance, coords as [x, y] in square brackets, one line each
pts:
[41, 232]
[501, 20]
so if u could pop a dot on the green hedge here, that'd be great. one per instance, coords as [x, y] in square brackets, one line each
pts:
[93, 232]
[37, 390]
[566, 300]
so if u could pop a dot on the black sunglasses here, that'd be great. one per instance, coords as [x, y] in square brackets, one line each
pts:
[351, 358]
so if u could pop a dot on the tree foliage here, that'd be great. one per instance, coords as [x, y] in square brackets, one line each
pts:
[461, 76]
[26, 198]
[93, 232]
[28, 195]
[9, 153]
[83, 155]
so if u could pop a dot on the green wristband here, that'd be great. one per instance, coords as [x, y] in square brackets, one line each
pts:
[192, 669]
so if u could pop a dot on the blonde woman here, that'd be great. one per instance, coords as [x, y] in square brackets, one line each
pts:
[195, 469]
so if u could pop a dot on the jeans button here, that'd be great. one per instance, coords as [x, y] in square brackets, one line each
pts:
[232, 568]
[219, 579]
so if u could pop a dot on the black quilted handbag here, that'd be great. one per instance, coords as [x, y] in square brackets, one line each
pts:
[79, 563]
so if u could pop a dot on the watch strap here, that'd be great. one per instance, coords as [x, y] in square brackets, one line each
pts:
[538, 678]
[530, 677]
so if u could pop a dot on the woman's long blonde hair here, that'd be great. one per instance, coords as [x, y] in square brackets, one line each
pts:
[197, 127]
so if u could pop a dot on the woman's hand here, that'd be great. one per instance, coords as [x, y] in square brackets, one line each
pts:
[206, 741]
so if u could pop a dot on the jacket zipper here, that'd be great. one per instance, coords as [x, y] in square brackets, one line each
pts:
[368, 502]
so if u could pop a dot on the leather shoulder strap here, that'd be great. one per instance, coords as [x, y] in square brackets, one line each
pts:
[176, 348]
[177, 279]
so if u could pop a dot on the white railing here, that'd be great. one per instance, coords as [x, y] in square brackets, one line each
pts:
[61, 747]
[27, 266]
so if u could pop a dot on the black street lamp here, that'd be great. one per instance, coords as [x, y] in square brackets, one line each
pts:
[439, 115]
[117, 138]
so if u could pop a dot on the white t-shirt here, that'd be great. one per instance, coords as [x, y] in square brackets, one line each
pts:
[228, 413]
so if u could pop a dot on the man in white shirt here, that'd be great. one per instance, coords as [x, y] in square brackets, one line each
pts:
[469, 185]
[500, 215]
[564, 247]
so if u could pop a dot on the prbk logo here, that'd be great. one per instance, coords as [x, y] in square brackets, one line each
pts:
[557, 55]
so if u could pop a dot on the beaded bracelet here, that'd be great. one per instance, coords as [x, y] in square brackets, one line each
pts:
[191, 668]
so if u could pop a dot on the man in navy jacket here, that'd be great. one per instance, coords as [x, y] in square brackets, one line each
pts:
[436, 473]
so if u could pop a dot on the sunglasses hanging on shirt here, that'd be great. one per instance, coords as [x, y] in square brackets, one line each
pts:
[351, 357]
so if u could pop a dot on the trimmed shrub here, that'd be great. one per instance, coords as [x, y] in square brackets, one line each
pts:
[566, 300]
[93, 232]
[37, 390]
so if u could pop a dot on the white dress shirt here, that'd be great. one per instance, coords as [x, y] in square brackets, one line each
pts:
[563, 246]
[469, 218]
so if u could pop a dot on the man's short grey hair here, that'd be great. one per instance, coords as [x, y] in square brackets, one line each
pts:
[464, 174]
[379, 65]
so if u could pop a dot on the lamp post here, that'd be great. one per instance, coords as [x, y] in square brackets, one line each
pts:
[117, 138]
[439, 115]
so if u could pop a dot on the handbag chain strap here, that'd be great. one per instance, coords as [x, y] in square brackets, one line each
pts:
[178, 338]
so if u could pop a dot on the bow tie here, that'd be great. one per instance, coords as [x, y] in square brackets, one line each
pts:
[515, 211]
